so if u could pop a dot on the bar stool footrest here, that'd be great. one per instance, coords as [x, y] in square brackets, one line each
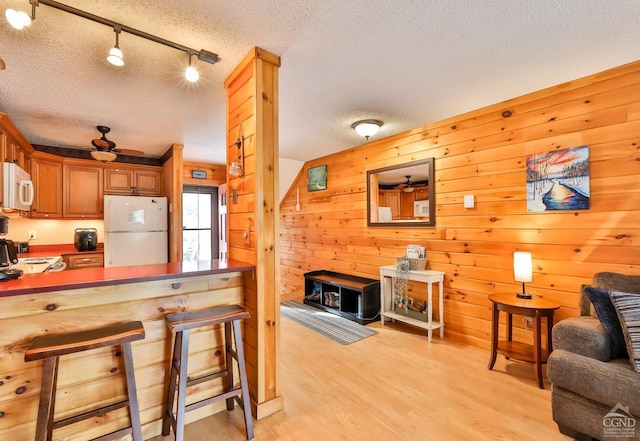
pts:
[198, 404]
[113, 436]
[204, 378]
[90, 414]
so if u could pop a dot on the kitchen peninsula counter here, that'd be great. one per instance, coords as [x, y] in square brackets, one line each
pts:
[96, 277]
[68, 301]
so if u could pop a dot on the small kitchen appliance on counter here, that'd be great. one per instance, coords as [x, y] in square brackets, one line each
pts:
[8, 255]
[86, 239]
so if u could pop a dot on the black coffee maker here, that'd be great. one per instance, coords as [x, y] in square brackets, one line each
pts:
[8, 254]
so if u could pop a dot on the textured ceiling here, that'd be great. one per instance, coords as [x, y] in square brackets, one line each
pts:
[407, 63]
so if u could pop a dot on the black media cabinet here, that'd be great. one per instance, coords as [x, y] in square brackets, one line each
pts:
[352, 297]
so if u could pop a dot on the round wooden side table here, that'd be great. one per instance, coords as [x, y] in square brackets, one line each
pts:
[535, 307]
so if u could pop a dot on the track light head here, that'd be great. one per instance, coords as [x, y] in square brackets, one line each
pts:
[191, 74]
[115, 54]
[17, 19]
[115, 57]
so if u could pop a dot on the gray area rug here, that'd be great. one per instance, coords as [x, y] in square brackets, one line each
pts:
[337, 328]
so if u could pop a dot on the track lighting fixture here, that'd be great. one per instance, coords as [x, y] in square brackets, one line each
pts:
[115, 54]
[21, 19]
[191, 74]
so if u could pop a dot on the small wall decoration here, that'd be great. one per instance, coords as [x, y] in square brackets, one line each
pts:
[558, 180]
[317, 178]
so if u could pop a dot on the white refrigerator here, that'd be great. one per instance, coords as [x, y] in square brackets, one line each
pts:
[135, 230]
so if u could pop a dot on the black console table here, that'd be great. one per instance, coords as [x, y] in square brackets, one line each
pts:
[352, 297]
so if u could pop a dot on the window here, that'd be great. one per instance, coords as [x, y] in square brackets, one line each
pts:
[199, 223]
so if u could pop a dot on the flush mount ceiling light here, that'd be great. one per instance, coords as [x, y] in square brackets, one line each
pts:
[367, 127]
[115, 54]
[21, 19]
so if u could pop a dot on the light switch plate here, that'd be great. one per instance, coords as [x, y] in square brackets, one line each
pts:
[469, 201]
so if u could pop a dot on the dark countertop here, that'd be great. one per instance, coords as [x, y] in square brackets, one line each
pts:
[57, 250]
[94, 277]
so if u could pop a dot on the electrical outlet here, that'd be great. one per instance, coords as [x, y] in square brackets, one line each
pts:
[33, 235]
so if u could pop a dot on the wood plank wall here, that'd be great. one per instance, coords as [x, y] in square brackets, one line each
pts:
[483, 153]
[252, 114]
[216, 173]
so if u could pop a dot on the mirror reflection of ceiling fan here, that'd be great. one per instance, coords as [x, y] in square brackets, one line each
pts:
[405, 186]
[105, 149]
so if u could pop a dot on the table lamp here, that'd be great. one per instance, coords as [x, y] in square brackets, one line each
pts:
[522, 271]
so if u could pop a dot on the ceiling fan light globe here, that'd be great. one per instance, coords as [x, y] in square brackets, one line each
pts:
[17, 19]
[101, 155]
[115, 57]
[191, 74]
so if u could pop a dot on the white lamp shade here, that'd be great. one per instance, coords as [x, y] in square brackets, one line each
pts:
[115, 57]
[367, 129]
[17, 19]
[522, 266]
[191, 74]
[104, 156]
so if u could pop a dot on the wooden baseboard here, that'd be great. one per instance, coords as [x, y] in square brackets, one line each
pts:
[268, 407]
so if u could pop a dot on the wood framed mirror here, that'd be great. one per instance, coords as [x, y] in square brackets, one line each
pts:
[402, 195]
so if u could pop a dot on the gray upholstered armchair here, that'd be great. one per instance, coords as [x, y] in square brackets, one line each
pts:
[587, 381]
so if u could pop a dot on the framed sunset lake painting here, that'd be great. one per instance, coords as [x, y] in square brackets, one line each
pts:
[558, 180]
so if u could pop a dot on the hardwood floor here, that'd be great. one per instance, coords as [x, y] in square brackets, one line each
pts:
[393, 386]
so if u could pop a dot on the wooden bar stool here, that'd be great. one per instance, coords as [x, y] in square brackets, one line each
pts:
[50, 347]
[180, 323]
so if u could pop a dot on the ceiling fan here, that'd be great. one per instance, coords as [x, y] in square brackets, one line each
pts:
[106, 149]
[405, 186]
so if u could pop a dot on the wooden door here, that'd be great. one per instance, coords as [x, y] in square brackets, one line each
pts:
[46, 176]
[83, 194]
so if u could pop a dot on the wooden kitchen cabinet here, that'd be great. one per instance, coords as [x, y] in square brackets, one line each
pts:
[133, 181]
[391, 198]
[406, 205]
[421, 193]
[12, 151]
[46, 175]
[82, 191]
[84, 260]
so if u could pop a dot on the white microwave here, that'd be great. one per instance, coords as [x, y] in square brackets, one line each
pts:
[421, 209]
[17, 189]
